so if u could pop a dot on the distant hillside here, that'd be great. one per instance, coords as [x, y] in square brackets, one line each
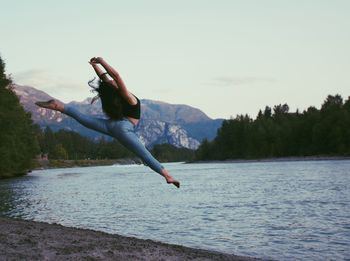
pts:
[179, 125]
[179, 114]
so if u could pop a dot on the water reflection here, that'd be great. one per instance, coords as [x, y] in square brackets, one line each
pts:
[6, 198]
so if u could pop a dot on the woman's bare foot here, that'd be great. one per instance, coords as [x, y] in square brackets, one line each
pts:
[170, 179]
[51, 104]
[175, 182]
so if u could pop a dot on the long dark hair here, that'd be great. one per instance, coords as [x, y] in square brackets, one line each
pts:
[110, 98]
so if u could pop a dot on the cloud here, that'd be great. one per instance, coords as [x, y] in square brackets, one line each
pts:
[227, 81]
[33, 77]
[53, 84]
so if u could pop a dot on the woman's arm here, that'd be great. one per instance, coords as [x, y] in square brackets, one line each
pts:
[118, 80]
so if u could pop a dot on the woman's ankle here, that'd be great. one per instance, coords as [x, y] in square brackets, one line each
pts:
[166, 174]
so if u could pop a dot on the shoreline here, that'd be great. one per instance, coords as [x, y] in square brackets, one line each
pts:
[55, 164]
[32, 240]
[58, 164]
[281, 159]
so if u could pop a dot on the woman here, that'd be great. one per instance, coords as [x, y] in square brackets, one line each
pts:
[123, 110]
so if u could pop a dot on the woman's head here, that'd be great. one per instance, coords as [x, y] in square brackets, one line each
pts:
[110, 98]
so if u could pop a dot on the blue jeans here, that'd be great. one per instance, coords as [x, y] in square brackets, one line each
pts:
[123, 130]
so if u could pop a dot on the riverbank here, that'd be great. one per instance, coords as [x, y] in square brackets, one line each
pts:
[29, 240]
[53, 164]
[282, 159]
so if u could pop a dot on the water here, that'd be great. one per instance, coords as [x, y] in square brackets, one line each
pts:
[273, 210]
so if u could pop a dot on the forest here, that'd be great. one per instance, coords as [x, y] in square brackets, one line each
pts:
[70, 145]
[278, 133]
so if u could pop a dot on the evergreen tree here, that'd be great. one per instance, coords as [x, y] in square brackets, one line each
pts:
[59, 152]
[169, 153]
[18, 145]
[279, 133]
[71, 145]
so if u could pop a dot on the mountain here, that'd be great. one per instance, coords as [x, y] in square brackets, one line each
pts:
[179, 114]
[179, 125]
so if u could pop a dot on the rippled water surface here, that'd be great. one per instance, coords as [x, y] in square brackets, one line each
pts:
[278, 210]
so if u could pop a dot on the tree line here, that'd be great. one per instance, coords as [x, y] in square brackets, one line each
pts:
[70, 145]
[278, 133]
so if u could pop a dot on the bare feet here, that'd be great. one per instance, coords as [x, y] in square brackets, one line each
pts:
[51, 104]
[170, 179]
[175, 182]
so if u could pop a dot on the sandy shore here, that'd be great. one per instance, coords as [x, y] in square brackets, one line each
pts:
[28, 240]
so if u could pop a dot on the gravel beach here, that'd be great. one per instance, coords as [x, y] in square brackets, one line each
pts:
[29, 240]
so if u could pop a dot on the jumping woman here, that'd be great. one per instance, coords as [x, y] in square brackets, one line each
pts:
[123, 110]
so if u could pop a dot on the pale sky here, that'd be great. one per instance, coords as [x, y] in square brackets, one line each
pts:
[225, 57]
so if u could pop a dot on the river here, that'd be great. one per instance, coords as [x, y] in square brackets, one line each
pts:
[294, 210]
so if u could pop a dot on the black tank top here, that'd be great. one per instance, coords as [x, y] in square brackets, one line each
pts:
[133, 111]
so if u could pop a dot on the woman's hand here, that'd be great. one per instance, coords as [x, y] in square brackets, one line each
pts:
[96, 60]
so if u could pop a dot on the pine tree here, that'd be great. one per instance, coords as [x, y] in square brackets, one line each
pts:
[18, 144]
[314, 132]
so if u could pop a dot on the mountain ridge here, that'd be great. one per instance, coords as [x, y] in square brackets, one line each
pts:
[161, 122]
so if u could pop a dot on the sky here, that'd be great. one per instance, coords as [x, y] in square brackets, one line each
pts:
[225, 57]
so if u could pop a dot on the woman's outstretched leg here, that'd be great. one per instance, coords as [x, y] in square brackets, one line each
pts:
[123, 131]
[90, 122]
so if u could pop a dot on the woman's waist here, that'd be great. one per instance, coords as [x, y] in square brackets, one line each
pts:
[132, 120]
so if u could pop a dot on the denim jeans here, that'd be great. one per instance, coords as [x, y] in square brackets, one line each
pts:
[123, 130]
